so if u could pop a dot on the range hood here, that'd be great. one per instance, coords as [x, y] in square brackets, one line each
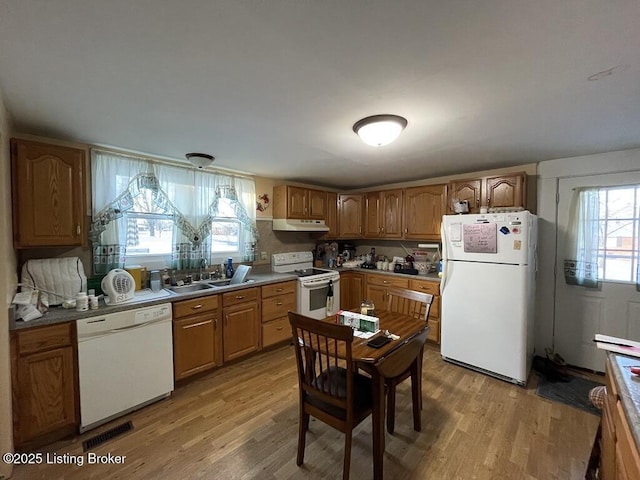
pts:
[295, 225]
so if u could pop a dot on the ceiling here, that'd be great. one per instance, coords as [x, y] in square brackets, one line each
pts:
[273, 88]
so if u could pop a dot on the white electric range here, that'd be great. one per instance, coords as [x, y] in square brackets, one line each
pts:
[313, 283]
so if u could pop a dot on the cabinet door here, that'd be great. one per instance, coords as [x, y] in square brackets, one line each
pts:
[470, 190]
[317, 204]
[331, 218]
[296, 202]
[241, 330]
[378, 295]
[46, 396]
[423, 210]
[506, 191]
[351, 290]
[392, 214]
[372, 215]
[350, 216]
[194, 344]
[48, 194]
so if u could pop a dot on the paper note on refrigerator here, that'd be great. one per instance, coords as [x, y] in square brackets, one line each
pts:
[480, 237]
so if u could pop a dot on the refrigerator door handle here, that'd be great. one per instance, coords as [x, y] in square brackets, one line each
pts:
[443, 238]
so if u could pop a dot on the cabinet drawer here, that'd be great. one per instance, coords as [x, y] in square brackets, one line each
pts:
[46, 338]
[276, 331]
[195, 306]
[425, 286]
[240, 296]
[279, 289]
[388, 281]
[276, 307]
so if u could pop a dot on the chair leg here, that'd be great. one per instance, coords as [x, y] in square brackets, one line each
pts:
[420, 358]
[416, 394]
[302, 435]
[347, 455]
[391, 406]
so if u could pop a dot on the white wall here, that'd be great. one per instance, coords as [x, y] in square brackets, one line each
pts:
[549, 173]
[8, 280]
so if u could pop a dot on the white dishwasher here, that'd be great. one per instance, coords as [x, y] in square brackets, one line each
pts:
[125, 361]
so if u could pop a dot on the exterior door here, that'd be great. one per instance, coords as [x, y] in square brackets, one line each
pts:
[582, 312]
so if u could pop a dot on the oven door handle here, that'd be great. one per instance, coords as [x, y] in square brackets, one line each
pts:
[323, 282]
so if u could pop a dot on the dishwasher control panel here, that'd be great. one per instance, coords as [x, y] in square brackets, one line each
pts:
[150, 314]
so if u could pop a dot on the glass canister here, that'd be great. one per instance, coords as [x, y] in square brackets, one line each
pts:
[368, 308]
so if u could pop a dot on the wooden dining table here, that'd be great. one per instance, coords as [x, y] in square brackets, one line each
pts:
[368, 358]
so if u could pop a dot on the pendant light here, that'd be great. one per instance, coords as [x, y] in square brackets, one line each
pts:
[379, 130]
[200, 160]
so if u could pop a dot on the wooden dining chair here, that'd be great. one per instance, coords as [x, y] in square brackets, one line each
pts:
[329, 386]
[417, 305]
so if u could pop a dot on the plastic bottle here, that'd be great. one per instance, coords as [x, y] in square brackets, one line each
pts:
[93, 302]
[229, 270]
[82, 302]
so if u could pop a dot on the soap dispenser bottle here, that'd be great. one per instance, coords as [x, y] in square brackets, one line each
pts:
[229, 270]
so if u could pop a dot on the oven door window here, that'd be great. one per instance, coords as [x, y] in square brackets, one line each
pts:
[318, 298]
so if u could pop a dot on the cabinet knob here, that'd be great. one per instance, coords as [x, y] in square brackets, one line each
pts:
[239, 297]
[77, 229]
[197, 307]
[279, 304]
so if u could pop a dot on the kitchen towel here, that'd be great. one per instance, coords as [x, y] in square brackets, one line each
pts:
[64, 276]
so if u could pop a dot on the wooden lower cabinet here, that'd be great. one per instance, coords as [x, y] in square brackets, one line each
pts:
[277, 300]
[619, 455]
[45, 401]
[196, 336]
[241, 323]
[433, 288]
[351, 290]
[378, 287]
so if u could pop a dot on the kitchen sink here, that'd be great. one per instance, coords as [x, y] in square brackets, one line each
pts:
[219, 283]
[193, 287]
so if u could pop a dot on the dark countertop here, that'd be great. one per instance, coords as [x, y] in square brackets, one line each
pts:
[629, 389]
[60, 315]
[432, 277]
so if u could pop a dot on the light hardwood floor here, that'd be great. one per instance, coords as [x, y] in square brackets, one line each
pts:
[241, 422]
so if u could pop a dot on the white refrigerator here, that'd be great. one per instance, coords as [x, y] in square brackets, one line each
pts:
[488, 289]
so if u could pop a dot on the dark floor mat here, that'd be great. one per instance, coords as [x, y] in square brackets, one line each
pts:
[575, 392]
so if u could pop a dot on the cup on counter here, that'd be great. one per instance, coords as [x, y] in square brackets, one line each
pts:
[154, 280]
[379, 264]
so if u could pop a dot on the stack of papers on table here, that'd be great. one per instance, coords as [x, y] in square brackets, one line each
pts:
[618, 345]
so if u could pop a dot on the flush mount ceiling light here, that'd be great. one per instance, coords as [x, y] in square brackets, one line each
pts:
[200, 160]
[379, 130]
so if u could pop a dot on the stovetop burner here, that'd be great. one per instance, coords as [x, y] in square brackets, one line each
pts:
[307, 272]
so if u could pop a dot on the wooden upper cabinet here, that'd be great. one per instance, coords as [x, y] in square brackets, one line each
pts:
[299, 202]
[331, 218]
[392, 213]
[383, 214]
[350, 215]
[372, 215]
[48, 187]
[506, 191]
[317, 201]
[502, 191]
[423, 210]
[296, 202]
[469, 190]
